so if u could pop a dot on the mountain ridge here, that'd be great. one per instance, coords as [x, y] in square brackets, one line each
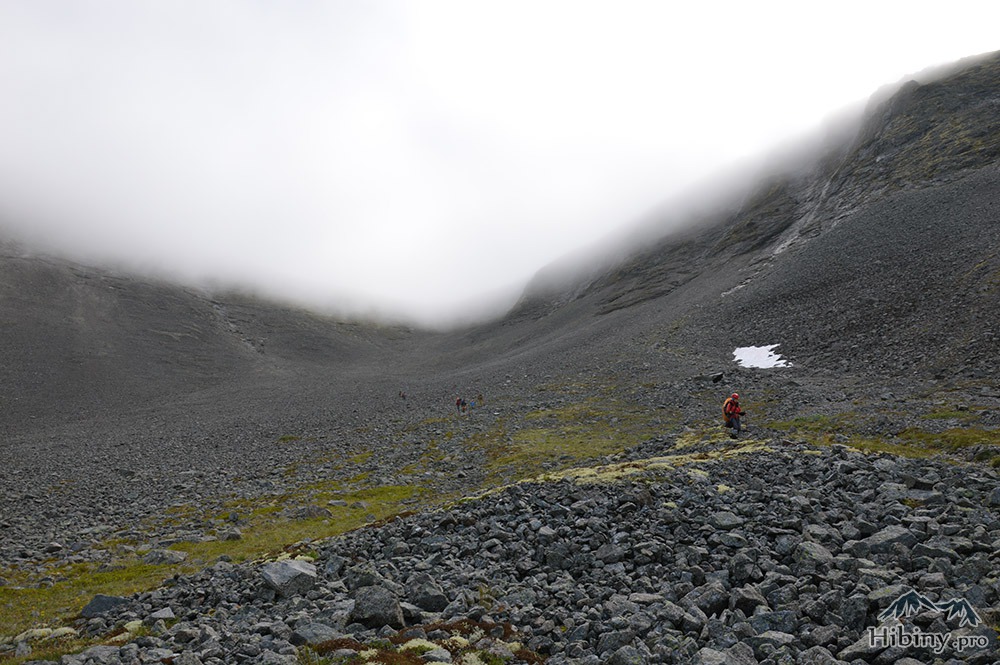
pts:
[922, 134]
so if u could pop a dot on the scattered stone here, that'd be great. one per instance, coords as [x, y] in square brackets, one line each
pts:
[376, 607]
[313, 633]
[643, 575]
[726, 520]
[627, 655]
[101, 604]
[883, 541]
[425, 593]
[811, 557]
[163, 614]
[164, 557]
[289, 578]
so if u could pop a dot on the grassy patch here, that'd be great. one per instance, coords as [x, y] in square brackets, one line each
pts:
[812, 424]
[614, 472]
[564, 436]
[900, 449]
[706, 432]
[951, 439]
[27, 607]
[266, 534]
[362, 458]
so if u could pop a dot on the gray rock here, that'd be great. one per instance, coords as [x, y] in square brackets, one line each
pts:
[823, 636]
[164, 557]
[311, 512]
[376, 607]
[645, 598]
[740, 654]
[811, 557]
[164, 614]
[439, 655]
[995, 497]
[424, 592]
[935, 551]
[882, 541]
[710, 598]
[883, 597]
[854, 612]
[101, 604]
[289, 578]
[356, 577]
[610, 553]
[784, 621]
[188, 658]
[726, 520]
[746, 599]
[627, 655]
[612, 641]
[774, 638]
[102, 655]
[334, 565]
[816, 656]
[860, 650]
[709, 656]
[313, 633]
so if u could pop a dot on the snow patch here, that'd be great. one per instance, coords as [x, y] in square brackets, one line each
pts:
[760, 356]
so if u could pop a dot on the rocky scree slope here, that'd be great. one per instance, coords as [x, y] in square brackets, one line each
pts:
[913, 275]
[782, 554]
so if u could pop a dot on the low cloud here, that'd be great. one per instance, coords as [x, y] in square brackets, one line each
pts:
[420, 161]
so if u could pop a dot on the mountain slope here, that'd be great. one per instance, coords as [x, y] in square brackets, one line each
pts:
[147, 422]
[911, 273]
[80, 342]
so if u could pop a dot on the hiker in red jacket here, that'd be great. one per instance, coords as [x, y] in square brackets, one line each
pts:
[731, 411]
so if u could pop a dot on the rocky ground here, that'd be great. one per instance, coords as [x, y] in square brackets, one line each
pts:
[722, 553]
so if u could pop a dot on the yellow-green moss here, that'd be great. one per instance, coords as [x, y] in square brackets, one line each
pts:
[24, 607]
[951, 439]
[266, 534]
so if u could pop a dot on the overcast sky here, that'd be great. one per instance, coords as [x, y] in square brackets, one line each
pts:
[412, 157]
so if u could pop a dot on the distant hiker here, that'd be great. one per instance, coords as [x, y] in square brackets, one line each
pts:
[464, 406]
[458, 404]
[479, 399]
[731, 411]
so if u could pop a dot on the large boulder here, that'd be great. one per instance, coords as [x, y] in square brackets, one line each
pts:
[164, 557]
[424, 592]
[711, 598]
[726, 520]
[883, 541]
[313, 633]
[376, 607]
[100, 604]
[289, 578]
[811, 557]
